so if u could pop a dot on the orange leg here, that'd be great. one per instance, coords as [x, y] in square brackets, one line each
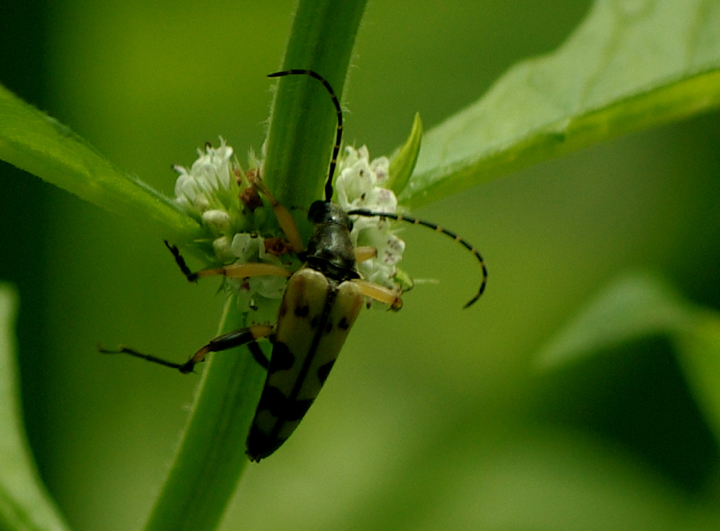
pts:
[286, 221]
[380, 293]
[230, 271]
[365, 253]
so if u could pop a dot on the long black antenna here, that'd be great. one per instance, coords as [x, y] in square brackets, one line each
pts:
[338, 110]
[368, 213]
[399, 217]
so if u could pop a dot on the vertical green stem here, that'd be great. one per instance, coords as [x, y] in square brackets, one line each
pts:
[302, 122]
[211, 456]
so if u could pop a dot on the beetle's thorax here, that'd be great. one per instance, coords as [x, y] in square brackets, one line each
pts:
[330, 250]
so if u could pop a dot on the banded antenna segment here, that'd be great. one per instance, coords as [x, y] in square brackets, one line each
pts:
[338, 130]
[437, 228]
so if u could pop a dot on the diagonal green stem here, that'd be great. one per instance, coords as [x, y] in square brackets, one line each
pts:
[211, 456]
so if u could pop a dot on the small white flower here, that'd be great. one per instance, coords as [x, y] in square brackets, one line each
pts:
[218, 220]
[361, 184]
[248, 248]
[197, 189]
[223, 249]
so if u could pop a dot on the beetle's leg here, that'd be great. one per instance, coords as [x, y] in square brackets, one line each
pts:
[375, 291]
[230, 271]
[243, 336]
[365, 253]
[285, 220]
[148, 357]
[258, 355]
[228, 341]
[380, 293]
[180, 261]
[257, 269]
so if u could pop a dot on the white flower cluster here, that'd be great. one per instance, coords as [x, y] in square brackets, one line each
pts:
[209, 192]
[249, 248]
[203, 190]
[361, 184]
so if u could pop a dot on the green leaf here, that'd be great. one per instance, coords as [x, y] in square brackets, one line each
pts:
[700, 356]
[402, 162]
[639, 305]
[631, 64]
[39, 144]
[24, 502]
[633, 306]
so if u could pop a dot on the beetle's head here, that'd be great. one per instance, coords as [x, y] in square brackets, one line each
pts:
[325, 213]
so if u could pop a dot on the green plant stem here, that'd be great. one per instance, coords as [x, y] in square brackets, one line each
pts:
[303, 119]
[211, 456]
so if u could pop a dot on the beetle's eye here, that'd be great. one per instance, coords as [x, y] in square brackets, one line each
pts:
[316, 214]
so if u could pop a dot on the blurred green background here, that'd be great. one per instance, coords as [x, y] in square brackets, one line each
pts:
[434, 418]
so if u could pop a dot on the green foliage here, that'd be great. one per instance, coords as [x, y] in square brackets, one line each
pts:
[211, 457]
[633, 307]
[24, 503]
[637, 306]
[629, 65]
[405, 157]
[41, 145]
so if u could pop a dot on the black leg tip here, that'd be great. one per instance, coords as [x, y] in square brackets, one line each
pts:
[187, 368]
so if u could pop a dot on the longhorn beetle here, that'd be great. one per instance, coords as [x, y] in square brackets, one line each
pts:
[321, 302]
